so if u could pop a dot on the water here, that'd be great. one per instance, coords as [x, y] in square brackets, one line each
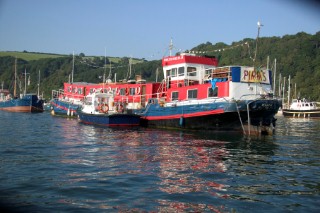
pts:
[52, 164]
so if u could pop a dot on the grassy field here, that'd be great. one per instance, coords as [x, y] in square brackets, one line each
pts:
[29, 56]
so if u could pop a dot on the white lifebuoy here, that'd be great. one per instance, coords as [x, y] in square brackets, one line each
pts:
[138, 90]
[104, 108]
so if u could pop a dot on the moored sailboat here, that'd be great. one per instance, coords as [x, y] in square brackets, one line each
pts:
[23, 103]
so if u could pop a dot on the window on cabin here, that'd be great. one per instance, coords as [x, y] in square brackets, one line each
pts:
[181, 71]
[80, 91]
[212, 92]
[168, 72]
[208, 71]
[123, 91]
[175, 96]
[173, 72]
[132, 91]
[192, 94]
[192, 71]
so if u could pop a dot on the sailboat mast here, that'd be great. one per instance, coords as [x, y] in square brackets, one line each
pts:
[39, 85]
[25, 81]
[274, 76]
[289, 91]
[15, 79]
[72, 68]
[280, 85]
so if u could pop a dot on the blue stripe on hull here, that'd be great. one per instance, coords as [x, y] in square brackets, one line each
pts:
[63, 108]
[110, 120]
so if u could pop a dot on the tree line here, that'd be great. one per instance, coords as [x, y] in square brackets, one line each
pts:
[297, 56]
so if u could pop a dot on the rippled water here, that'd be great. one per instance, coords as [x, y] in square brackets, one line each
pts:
[52, 164]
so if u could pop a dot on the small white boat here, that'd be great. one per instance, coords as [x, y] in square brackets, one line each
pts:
[302, 109]
[99, 109]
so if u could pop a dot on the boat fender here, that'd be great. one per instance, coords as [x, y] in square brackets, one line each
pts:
[181, 121]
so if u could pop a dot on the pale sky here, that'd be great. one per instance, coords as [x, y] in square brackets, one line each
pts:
[143, 28]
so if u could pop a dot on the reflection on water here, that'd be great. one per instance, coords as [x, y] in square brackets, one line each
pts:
[67, 166]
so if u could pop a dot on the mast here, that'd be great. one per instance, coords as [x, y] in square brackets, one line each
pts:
[283, 89]
[104, 74]
[110, 73]
[25, 81]
[170, 47]
[255, 54]
[15, 79]
[72, 68]
[274, 76]
[289, 91]
[39, 84]
[280, 85]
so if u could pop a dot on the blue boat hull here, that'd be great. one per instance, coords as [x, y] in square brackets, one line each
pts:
[110, 120]
[63, 108]
[222, 116]
[29, 103]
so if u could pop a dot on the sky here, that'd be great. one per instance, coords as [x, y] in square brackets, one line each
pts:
[144, 28]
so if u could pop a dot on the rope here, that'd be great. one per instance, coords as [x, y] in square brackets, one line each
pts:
[244, 132]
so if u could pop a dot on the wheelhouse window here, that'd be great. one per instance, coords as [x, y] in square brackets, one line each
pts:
[192, 71]
[212, 92]
[175, 96]
[192, 94]
[172, 72]
[181, 71]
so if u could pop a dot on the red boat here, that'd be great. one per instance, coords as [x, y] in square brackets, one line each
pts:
[195, 94]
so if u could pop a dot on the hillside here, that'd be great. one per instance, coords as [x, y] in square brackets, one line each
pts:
[29, 56]
[297, 55]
